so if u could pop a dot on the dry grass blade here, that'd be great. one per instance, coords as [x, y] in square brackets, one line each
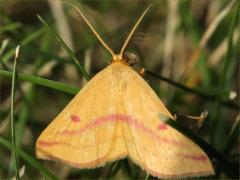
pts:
[220, 51]
[206, 36]
[172, 22]
[61, 22]
[63, 28]
[214, 24]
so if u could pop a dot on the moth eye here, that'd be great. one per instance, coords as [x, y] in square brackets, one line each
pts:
[75, 118]
[131, 58]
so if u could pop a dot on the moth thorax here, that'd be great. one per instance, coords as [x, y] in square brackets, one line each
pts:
[117, 57]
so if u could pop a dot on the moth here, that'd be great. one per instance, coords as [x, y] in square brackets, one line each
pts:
[116, 115]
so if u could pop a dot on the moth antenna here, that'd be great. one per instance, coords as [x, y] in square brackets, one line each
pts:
[133, 30]
[91, 27]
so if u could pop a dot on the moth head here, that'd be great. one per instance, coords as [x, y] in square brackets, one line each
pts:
[130, 58]
[115, 56]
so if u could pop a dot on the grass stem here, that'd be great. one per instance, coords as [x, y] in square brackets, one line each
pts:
[13, 91]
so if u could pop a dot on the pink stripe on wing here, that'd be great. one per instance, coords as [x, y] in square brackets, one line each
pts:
[200, 157]
[75, 118]
[162, 126]
[123, 118]
[51, 143]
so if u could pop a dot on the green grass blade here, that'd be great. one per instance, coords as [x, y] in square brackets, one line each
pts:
[43, 82]
[233, 137]
[202, 94]
[2, 49]
[69, 51]
[216, 134]
[24, 42]
[113, 169]
[12, 122]
[3, 46]
[210, 150]
[28, 158]
[146, 177]
[229, 54]
[10, 27]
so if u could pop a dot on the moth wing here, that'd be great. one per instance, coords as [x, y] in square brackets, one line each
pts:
[85, 134]
[156, 147]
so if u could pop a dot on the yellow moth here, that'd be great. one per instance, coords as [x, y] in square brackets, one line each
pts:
[116, 115]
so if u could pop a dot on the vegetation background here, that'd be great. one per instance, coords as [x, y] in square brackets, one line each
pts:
[189, 49]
